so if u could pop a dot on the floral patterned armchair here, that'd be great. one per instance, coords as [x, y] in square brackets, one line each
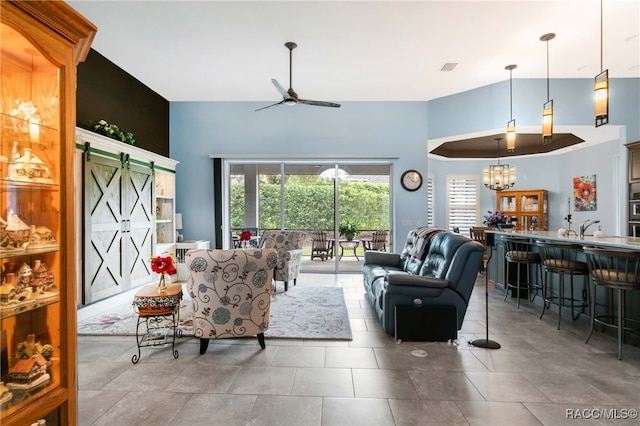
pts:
[231, 292]
[289, 247]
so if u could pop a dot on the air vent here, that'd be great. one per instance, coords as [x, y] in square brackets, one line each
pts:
[448, 66]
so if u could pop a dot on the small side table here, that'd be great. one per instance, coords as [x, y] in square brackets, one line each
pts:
[349, 244]
[159, 313]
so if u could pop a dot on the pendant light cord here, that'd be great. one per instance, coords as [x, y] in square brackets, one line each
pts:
[601, 30]
[511, 95]
[547, 70]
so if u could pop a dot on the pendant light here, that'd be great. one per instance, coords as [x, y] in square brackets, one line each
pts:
[511, 125]
[601, 87]
[547, 108]
[499, 176]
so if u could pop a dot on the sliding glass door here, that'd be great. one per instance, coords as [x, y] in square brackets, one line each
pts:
[311, 196]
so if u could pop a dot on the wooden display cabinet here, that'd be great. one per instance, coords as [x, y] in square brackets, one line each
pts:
[527, 206]
[634, 189]
[42, 42]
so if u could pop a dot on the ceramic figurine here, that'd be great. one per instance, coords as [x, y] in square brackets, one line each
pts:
[16, 229]
[5, 395]
[30, 167]
[25, 275]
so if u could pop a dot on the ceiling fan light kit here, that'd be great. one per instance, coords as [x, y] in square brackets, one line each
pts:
[290, 97]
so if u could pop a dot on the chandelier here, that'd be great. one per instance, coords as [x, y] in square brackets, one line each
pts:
[499, 176]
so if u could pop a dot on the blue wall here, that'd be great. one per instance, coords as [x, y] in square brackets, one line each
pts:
[402, 129]
[357, 129]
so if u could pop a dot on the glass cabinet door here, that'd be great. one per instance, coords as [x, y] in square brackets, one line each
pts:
[507, 203]
[30, 218]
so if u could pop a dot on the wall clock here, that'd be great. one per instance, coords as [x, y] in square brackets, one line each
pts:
[411, 180]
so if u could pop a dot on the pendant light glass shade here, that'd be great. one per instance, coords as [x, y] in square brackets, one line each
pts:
[602, 98]
[601, 87]
[547, 122]
[511, 125]
[511, 135]
[547, 109]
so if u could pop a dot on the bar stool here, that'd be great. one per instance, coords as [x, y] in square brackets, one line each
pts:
[562, 259]
[518, 250]
[615, 270]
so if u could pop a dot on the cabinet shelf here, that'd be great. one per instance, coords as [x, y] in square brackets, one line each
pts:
[29, 251]
[8, 184]
[11, 309]
[17, 121]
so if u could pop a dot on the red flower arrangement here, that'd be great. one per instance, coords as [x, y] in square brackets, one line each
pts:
[245, 236]
[163, 265]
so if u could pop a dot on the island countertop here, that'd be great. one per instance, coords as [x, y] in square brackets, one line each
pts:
[628, 243]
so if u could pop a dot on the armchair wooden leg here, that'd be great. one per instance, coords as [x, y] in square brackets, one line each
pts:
[261, 340]
[204, 344]
[286, 285]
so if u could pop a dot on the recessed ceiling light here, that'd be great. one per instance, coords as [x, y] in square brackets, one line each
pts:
[448, 66]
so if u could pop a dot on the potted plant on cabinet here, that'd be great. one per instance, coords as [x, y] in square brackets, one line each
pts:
[348, 230]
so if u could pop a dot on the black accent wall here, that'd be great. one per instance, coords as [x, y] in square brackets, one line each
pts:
[105, 91]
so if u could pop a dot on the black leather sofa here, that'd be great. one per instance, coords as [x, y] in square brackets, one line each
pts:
[435, 268]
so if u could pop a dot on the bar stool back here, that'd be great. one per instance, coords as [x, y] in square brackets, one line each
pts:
[519, 251]
[618, 270]
[562, 259]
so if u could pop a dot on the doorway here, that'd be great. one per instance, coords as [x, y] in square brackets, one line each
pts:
[310, 196]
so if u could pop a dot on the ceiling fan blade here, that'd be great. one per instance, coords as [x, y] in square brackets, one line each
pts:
[269, 106]
[280, 88]
[319, 103]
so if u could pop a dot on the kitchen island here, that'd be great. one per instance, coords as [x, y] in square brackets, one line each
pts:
[496, 269]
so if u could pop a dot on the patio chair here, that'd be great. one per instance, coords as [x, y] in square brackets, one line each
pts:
[321, 246]
[378, 241]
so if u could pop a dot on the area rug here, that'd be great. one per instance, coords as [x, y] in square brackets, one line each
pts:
[300, 313]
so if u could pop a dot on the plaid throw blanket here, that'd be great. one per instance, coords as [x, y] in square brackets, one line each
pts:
[423, 241]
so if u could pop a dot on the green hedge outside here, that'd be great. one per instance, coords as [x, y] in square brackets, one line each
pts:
[309, 205]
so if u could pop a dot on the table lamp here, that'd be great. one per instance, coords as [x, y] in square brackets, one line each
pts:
[178, 227]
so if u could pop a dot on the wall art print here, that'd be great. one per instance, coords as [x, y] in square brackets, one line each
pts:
[584, 193]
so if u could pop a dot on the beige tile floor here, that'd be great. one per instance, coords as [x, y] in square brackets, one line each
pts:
[539, 376]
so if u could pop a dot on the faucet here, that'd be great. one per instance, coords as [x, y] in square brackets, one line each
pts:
[584, 225]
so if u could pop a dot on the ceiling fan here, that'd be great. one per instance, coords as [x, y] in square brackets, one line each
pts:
[290, 97]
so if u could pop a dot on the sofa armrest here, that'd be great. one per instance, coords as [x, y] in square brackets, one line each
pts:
[405, 280]
[381, 258]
